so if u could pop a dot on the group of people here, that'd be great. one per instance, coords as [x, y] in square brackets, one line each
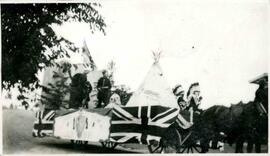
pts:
[81, 89]
[193, 97]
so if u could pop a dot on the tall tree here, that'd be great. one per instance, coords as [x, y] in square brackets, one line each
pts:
[27, 34]
[55, 92]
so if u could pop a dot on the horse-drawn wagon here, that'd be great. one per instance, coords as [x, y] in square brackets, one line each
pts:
[119, 125]
[150, 117]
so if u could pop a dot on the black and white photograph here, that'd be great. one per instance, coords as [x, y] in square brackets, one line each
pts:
[134, 77]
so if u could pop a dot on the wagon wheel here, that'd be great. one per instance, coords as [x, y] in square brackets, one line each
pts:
[156, 147]
[187, 145]
[180, 143]
[170, 141]
[78, 142]
[108, 144]
[190, 149]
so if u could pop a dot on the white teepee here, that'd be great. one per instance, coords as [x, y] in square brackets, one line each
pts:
[154, 90]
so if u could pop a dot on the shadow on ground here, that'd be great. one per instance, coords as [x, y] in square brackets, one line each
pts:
[83, 148]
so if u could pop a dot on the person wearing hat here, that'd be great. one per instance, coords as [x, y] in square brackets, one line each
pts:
[179, 93]
[103, 87]
[194, 100]
[193, 97]
[261, 97]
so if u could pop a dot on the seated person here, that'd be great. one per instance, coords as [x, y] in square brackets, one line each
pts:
[179, 93]
[194, 98]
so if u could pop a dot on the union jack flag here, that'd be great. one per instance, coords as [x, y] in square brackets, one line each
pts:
[140, 124]
[43, 125]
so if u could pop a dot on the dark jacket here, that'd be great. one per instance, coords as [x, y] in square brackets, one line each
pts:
[261, 95]
[104, 82]
[261, 99]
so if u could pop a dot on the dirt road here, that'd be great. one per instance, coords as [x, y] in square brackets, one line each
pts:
[18, 139]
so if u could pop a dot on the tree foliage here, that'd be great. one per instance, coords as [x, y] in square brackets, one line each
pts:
[27, 34]
[54, 94]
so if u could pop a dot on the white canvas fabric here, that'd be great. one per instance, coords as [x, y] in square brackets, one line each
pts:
[154, 90]
[82, 125]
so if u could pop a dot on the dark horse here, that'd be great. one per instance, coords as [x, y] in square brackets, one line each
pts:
[254, 128]
[240, 123]
[214, 121]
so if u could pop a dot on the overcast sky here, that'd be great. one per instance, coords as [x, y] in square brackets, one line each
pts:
[220, 44]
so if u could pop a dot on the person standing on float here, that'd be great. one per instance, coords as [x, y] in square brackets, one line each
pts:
[104, 89]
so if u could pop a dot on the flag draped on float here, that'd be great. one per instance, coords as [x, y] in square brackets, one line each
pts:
[149, 112]
[43, 125]
[140, 124]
